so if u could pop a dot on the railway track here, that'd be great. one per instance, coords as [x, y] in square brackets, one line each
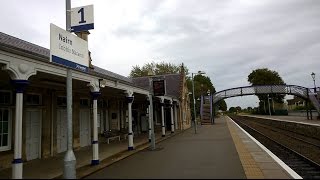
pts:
[307, 168]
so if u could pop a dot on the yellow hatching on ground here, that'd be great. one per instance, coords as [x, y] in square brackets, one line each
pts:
[249, 165]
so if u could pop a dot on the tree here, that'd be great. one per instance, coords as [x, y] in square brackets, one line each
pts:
[201, 83]
[238, 108]
[155, 69]
[264, 76]
[222, 105]
[232, 109]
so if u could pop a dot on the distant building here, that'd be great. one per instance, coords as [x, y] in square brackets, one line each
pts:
[176, 87]
[295, 102]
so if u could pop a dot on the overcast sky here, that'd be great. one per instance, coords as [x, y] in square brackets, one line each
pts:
[225, 38]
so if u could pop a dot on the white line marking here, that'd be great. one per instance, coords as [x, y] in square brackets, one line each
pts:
[283, 120]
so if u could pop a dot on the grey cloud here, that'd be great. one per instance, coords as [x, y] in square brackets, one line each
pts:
[227, 39]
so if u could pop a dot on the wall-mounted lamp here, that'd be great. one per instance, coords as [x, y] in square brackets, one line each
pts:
[102, 83]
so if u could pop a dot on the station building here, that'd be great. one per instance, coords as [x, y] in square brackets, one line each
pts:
[33, 115]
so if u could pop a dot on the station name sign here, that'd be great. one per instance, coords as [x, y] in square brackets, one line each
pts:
[68, 49]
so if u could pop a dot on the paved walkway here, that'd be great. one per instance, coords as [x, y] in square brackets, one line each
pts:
[258, 162]
[210, 153]
[52, 167]
[222, 150]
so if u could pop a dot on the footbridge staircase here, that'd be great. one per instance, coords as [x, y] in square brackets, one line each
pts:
[312, 94]
[206, 110]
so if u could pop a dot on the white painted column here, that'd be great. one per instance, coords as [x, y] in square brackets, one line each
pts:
[172, 124]
[95, 144]
[17, 164]
[130, 134]
[176, 116]
[162, 117]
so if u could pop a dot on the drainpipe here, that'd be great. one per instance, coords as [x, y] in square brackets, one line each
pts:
[52, 109]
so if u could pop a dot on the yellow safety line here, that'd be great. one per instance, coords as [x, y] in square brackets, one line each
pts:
[249, 165]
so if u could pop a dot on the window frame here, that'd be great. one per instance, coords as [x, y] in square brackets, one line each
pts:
[61, 105]
[10, 96]
[33, 94]
[8, 147]
[84, 99]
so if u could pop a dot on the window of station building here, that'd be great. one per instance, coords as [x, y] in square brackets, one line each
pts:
[61, 101]
[84, 102]
[102, 103]
[5, 130]
[5, 97]
[33, 99]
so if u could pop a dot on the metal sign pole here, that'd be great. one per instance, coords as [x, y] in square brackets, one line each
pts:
[69, 158]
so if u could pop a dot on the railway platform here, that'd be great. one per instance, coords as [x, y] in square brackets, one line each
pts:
[257, 161]
[219, 151]
[224, 143]
[295, 119]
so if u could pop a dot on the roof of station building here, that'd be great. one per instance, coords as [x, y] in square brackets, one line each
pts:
[15, 44]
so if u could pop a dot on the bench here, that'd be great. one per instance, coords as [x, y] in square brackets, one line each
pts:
[115, 134]
[111, 135]
[112, 138]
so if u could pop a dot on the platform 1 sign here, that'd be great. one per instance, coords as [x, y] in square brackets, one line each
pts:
[68, 49]
[82, 18]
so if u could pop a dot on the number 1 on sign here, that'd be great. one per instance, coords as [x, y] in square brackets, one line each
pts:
[82, 16]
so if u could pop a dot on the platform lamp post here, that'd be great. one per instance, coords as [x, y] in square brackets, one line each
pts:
[313, 75]
[194, 101]
[269, 105]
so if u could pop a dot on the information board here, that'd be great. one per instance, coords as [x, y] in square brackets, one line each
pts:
[159, 88]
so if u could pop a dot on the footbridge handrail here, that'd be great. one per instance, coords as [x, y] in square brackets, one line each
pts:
[300, 91]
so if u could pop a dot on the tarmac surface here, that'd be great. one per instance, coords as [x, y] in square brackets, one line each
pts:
[219, 151]
[210, 153]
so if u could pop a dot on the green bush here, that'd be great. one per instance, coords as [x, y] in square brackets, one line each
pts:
[300, 108]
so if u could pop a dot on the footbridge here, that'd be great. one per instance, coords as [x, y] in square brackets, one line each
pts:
[213, 99]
